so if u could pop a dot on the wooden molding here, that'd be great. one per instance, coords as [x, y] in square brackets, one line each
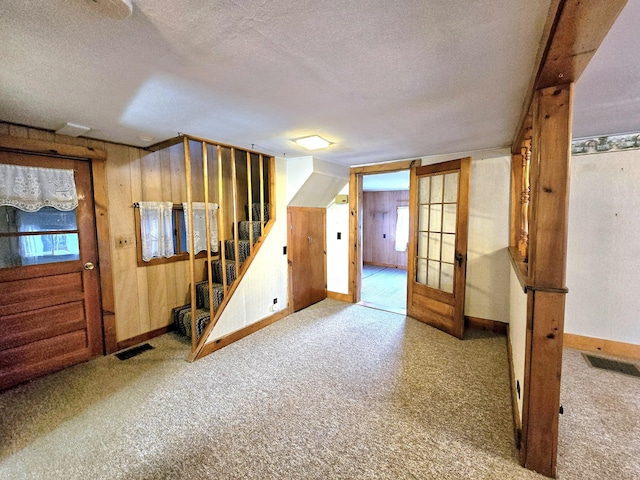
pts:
[343, 297]
[240, 334]
[355, 217]
[100, 205]
[601, 345]
[355, 235]
[130, 342]
[50, 148]
[386, 167]
[485, 324]
[386, 265]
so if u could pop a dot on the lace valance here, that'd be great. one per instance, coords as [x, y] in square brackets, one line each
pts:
[31, 188]
[200, 229]
[156, 230]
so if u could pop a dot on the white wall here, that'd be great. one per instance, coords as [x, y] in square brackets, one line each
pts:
[268, 271]
[604, 247]
[488, 266]
[338, 250]
[517, 331]
[312, 182]
[298, 171]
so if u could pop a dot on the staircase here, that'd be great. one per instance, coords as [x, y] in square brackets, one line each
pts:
[247, 230]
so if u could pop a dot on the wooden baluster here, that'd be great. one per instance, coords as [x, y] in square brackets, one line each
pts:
[525, 195]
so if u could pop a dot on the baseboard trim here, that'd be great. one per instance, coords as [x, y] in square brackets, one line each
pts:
[343, 297]
[130, 342]
[240, 334]
[484, 324]
[600, 345]
[517, 421]
[386, 265]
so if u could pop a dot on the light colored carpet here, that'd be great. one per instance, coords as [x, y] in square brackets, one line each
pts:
[335, 391]
[599, 432]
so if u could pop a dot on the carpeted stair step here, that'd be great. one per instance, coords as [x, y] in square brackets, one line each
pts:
[182, 320]
[216, 271]
[255, 212]
[244, 247]
[245, 226]
[202, 295]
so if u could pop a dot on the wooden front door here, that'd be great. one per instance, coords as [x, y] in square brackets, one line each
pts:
[439, 213]
[307, 256]
[50, 312]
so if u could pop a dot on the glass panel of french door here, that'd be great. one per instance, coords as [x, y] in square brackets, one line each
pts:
[437, 210]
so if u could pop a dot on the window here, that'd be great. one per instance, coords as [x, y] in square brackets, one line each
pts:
[30, 238]
[402, 228]
[37, 216]
[162, 230]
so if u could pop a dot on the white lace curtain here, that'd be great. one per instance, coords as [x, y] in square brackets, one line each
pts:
[31, 188]
[200, 227]
[156, 230]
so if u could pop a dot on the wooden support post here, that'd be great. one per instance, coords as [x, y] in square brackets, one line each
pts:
[261, 168]
[550, 164]
[234, 188]
[250, 202]
[192, 270]
[221, 229]
[207, 222]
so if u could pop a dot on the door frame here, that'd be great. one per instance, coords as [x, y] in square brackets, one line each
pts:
[98, 158]
[356, 215]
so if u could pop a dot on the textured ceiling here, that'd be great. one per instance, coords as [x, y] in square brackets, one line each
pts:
[607, 95]
[382, 80]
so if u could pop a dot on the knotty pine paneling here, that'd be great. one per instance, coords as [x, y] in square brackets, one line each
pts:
[144, 296]
[379, 228]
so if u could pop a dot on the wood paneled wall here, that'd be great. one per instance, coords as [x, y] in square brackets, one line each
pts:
[144, 296]
[379, 228]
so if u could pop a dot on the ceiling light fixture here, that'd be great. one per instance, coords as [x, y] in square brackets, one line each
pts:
[313, 142]
[117, 9]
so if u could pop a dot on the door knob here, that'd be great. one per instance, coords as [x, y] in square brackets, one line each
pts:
[89, 266]
[459, 258]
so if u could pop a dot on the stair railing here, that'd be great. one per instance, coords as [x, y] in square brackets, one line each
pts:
[197, 342]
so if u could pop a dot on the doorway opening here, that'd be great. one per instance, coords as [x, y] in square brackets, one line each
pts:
[385, 235]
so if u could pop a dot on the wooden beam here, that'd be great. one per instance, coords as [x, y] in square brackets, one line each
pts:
[550, 163]
[386, 167]
[547, 259]
[542, 387]
[573, 32]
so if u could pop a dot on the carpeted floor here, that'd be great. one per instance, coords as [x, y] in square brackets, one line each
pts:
[599, 432]
[335, 391]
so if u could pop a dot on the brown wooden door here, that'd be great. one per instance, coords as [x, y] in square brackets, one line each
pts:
[307, 256]
[49, 295]
[439, 213]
